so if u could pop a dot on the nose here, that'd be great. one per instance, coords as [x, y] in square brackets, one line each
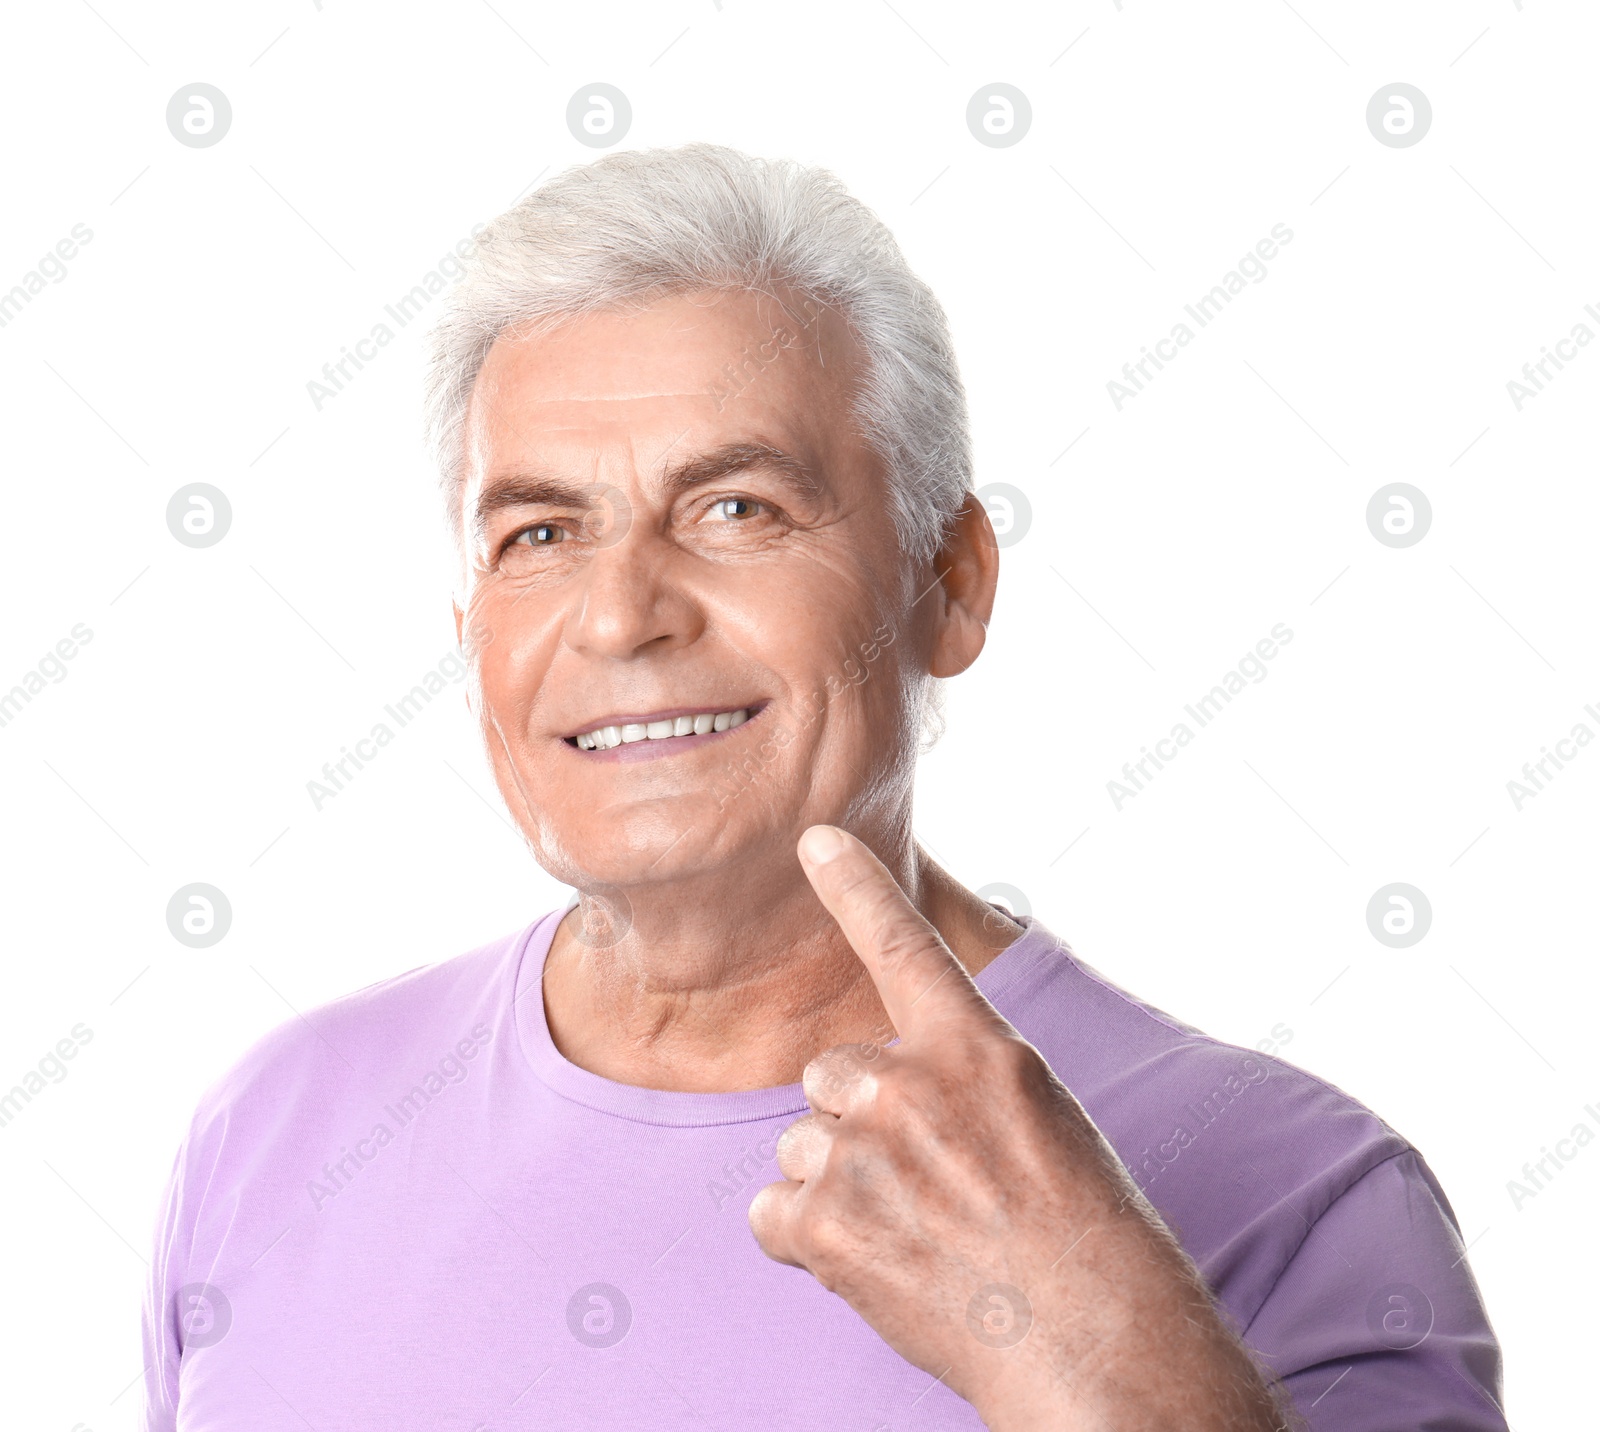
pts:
[628, 601]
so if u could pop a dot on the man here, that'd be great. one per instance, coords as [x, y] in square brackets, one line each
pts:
[703, 442]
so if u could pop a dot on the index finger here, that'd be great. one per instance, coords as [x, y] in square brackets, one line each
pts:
[917, 977]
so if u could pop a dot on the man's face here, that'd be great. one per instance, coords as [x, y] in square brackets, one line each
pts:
[670, 515]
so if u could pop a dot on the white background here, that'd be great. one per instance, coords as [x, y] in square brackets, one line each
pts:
[1230, 495]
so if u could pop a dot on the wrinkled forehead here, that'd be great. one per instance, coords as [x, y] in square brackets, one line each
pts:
[706, 359]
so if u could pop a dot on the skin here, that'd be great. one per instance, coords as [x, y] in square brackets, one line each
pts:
[667, 508]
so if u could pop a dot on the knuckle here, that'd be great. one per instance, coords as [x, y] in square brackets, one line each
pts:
[899, 1091]
[1012, 1057]
[792, 1135]
[822, 1080]
[900, 941]
[828, 1241]
[858, 1166]
[787, 1152]
[891, 1083]
[796, 1145]
[839, 1072]
[763, 1215]
[772, 1222]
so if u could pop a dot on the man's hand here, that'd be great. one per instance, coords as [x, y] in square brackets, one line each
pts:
[959, 1198]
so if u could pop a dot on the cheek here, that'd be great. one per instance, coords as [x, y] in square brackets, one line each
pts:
[512, 654]
[861, 725]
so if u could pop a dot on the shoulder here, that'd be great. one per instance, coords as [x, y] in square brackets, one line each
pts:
[1240, 1151]
[353, 1043]
[1323, 1233]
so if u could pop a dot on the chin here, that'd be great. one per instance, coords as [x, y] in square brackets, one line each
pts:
[649, 841]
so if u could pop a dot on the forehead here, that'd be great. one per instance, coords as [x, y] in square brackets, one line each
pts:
[707, 360]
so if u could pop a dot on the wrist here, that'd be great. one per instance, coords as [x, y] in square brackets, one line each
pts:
[1131, 1340]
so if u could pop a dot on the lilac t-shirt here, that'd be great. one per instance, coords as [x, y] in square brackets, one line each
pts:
[409, 1211]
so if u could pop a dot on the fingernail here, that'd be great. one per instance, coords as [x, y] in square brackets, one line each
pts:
[821, 843]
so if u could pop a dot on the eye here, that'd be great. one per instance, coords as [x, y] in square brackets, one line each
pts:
[736, 509]
[541, 534]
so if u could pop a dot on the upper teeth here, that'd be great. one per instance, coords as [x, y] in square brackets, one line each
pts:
[602, 738]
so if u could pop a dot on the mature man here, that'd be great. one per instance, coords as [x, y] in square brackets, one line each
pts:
[704, 446]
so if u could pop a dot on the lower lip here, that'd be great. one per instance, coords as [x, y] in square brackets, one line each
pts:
[648, 750]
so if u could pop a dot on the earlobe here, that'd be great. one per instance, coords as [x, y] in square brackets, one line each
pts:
[969, 567]
[959, 643]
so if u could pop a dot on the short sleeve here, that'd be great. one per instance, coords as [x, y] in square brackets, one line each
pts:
[1376, 1322]
[158, 1315]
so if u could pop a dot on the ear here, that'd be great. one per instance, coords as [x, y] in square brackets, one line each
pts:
[968, 569]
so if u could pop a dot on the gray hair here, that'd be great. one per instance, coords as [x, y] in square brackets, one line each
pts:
[639, 224]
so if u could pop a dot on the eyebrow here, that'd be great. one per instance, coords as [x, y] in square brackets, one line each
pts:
[533, 487]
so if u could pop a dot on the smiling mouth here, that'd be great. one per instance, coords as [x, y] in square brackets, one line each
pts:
[674, 727]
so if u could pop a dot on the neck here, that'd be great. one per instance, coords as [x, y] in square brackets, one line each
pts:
[714, 995]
